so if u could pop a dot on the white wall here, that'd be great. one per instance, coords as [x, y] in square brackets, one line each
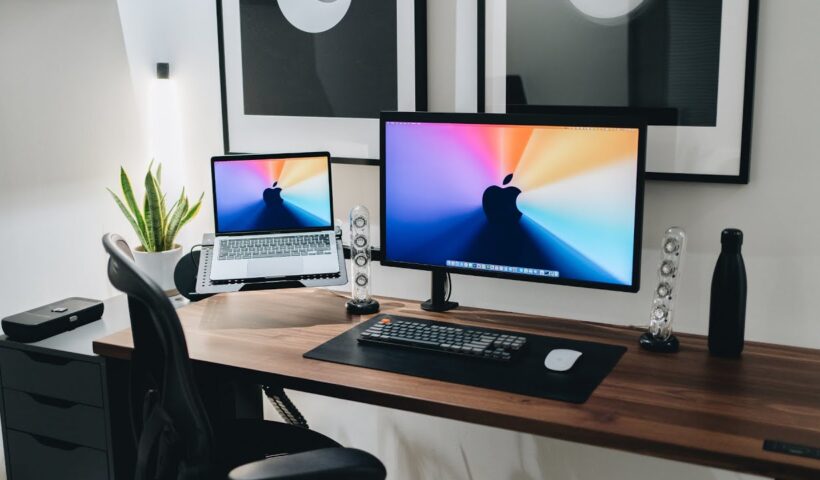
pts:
[68, 120]
[59, 151]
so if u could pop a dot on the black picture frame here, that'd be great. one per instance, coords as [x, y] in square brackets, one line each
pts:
[656, 117]
[420, 82]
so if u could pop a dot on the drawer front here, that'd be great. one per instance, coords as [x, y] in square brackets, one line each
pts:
[58, 419]
[51, 376]
[35, 458]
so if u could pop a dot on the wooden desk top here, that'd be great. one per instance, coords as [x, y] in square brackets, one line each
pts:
[686, 406]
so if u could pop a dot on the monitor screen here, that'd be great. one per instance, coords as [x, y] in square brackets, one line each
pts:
[271, 194]
[514, 196]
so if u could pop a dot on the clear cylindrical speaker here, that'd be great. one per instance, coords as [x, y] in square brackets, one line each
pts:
[659, 337]
[360, 258]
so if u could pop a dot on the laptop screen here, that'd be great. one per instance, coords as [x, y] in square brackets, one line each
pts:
[258, 195]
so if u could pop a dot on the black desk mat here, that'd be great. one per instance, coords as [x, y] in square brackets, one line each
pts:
[525, 375]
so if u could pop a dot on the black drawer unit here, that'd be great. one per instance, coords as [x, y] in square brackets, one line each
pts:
[55, 414]
[52, 376]
[35, 457]
[58, 419]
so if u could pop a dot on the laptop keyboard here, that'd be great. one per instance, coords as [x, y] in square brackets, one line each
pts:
[270, 247]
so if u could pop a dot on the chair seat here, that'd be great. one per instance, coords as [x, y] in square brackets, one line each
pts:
[244, 441]
[324, 464]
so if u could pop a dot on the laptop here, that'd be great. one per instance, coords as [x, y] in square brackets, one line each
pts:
[273, 216]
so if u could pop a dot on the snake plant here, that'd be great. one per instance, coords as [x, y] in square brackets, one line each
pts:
[156, 225]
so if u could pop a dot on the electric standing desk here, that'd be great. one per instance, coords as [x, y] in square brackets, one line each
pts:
[686, 406]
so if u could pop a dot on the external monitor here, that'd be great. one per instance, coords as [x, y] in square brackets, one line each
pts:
[543, 198]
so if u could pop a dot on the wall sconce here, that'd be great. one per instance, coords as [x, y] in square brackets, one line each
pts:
[163, 71]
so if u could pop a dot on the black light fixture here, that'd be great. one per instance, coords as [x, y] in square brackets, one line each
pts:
[163, 71]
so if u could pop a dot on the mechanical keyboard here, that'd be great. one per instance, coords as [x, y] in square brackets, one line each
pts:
[268, 247]
[394, 330]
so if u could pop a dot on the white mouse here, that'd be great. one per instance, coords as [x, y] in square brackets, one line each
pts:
[561, 359]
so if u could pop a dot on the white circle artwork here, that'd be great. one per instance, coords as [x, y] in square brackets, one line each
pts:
[606, 9]
[314, 16]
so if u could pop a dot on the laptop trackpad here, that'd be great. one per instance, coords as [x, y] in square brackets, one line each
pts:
[278, 267]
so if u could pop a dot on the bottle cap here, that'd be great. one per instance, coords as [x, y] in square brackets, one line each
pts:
[731, 237]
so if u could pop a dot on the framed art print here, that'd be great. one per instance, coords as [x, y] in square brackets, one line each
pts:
[307, 75]
[686, 65]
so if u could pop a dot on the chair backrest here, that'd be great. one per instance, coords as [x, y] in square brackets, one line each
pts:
[162, 378]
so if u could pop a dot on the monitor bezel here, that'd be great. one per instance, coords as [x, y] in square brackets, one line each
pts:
[269, 156]
[570, 120]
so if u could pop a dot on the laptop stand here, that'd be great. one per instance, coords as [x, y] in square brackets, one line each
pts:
[204, 285]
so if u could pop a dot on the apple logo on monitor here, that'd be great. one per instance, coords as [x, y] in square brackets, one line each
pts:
[500, 203]
[273, 195]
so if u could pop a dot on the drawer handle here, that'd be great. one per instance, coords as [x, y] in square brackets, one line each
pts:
[52, 402]
[50, 442]
[40, 358]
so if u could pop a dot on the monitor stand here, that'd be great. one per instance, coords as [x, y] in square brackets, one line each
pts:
[438, 295]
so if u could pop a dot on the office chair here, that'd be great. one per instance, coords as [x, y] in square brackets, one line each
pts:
[173, 434]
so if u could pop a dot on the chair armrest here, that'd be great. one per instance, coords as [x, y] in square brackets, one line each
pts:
[322, 464]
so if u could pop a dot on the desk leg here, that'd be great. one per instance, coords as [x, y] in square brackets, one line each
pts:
[239, 400]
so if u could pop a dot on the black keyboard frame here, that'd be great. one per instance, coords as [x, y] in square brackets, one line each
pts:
[514, 355]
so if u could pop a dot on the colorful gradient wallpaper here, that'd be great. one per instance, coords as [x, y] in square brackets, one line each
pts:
[271, 194]
[550, 201]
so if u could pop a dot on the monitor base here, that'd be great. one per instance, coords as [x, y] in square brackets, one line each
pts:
[439, 301]
[431, 306]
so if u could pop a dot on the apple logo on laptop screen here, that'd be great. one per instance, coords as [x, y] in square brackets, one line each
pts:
[500, 204]
[273, 195]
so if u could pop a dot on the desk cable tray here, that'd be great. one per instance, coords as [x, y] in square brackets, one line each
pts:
[204, 285]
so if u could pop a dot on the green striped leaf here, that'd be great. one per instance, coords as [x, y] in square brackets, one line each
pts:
[128, 216]
[163, 208]
[192, 212]
[153, 213]
[175, 222]
[149, 246]
[130, 200]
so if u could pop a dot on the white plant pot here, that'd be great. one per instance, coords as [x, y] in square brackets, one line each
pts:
[160, 266]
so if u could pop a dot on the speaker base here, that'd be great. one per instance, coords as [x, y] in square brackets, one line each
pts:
[649, 342]
[362, 308]
[185, 274]
[431, 306]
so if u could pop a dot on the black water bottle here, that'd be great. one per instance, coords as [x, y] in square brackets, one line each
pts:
[727, 309]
